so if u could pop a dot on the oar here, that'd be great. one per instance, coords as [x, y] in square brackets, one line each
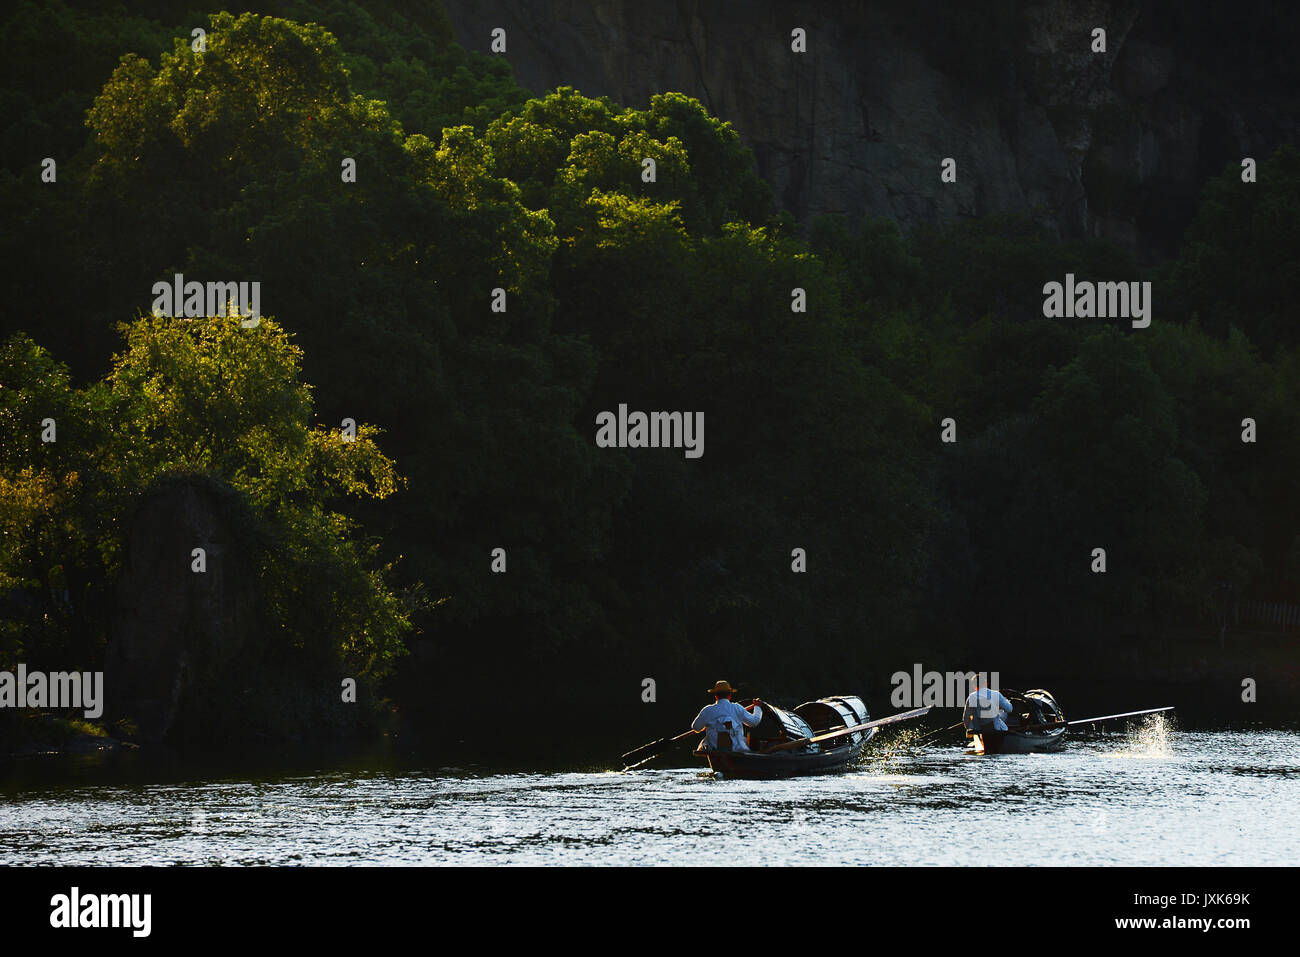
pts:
[652, 750]
[951, 727]
[639, 756]
[892, 719]
[954, 727]
[1109, 717]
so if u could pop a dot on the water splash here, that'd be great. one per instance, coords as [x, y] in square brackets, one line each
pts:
[1152, 737]
[883, 751]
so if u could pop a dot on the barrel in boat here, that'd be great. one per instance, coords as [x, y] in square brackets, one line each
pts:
[831, 714]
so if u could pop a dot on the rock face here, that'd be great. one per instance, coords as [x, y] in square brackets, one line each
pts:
[1114, 144]
[173, 625]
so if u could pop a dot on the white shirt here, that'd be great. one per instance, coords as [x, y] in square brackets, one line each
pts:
[985, 705]
[713, 718]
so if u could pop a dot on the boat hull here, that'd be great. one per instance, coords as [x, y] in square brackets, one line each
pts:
[755, 765]
[1032, 709]
[1019, 742]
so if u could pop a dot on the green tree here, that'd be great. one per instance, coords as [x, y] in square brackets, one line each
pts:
[211, 396]
[47, 533]
[189, 400]
[1237, 265]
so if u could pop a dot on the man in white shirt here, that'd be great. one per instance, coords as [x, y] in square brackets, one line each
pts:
[725, 721]
[986, 713]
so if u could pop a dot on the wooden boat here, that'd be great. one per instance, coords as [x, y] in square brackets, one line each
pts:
[1036, 723]
[781, 727]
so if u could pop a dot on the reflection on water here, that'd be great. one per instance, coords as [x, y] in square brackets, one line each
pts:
[1155, 795]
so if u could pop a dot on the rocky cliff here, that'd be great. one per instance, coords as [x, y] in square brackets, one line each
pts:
[1114, 144]
[174, 626]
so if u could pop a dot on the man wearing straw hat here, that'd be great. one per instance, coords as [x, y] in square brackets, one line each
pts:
[724, 721]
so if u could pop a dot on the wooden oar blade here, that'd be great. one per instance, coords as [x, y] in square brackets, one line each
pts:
[1107, 717]
[951, 727]
[647, 751]
[641, 755]
[643, 762]
[1126, 714]
[879, 722]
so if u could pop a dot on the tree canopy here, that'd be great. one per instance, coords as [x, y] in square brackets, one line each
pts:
[502, 270]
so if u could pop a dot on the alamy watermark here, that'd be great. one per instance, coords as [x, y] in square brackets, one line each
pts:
[935, 689]
[651, 430]
[194, 299]
[1098, 300]
[58, 689]
[75, 909]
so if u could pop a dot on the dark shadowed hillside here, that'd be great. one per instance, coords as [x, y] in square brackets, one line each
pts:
[1115, 144]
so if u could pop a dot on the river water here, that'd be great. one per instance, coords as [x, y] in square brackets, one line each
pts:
[1151, 796]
